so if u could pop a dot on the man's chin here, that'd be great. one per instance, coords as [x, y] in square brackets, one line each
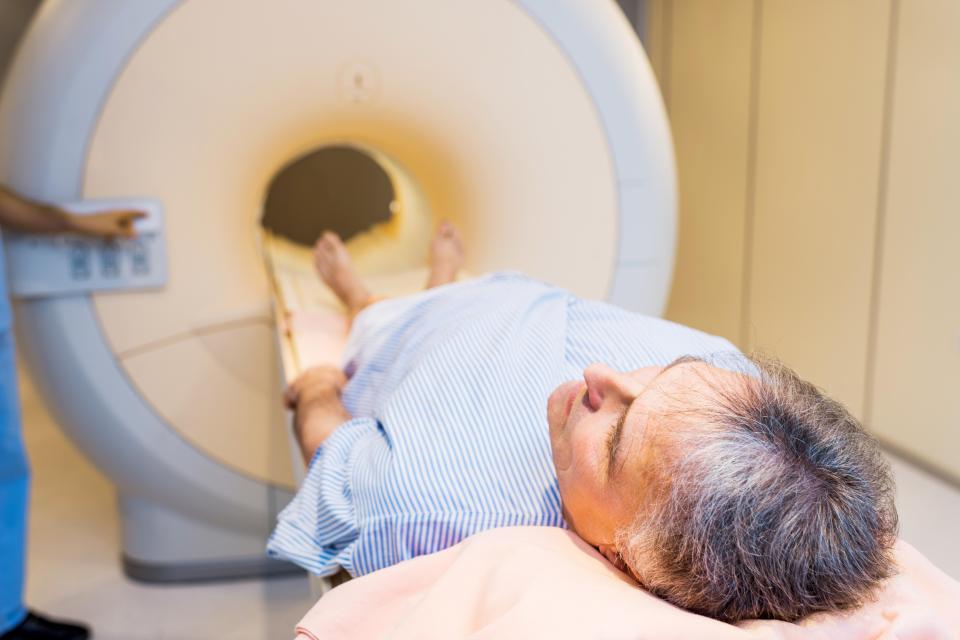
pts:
[554, 410]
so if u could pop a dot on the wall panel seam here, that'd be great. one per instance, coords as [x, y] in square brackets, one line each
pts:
[880, 223]
[751, 174]
[666, 18]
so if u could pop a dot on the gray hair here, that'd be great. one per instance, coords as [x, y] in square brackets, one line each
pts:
[771, 501]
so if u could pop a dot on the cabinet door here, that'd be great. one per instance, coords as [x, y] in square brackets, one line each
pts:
[709, 66]
[914, 402]
[822, 76]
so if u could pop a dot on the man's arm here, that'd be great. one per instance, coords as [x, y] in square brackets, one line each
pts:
[315, 399]
[23, 214]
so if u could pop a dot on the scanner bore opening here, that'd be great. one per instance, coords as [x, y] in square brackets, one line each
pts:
[336, 188]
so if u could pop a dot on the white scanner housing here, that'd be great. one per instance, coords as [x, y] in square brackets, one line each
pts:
[536, 126]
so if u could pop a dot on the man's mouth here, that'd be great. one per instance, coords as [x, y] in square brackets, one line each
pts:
[574, 394]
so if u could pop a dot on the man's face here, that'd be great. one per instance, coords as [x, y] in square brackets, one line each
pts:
[600, 429]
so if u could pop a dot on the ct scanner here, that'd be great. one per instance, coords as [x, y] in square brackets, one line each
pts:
[535, 125]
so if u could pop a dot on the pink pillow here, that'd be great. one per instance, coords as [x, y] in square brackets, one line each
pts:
[527, 582]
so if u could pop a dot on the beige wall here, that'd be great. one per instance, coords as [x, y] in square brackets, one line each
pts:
[818, 150]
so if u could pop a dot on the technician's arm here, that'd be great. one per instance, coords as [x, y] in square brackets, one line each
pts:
[318, 411]
[17, 212]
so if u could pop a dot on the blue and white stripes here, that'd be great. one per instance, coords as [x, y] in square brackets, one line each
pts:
[448, 391]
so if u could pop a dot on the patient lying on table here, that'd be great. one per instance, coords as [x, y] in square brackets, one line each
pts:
[724, 484]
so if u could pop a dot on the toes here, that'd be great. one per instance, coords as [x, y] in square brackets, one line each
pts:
[329, 247]
[329, 240]
[454, 236]
[322, 251]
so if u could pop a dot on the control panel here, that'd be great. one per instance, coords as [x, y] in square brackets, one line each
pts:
[56, 265]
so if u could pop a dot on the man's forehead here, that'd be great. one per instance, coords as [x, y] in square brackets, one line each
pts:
[679, 375]
[693, 375]
[678, 385]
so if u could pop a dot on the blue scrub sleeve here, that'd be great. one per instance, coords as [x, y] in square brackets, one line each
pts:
[14, 482]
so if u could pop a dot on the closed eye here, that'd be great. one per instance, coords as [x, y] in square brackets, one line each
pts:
[613, 440]
[609, 442]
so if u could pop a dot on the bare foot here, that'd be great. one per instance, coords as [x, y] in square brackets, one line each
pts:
[335, 268]
[446, 255]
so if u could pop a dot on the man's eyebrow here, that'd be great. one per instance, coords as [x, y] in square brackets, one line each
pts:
[617, 437]
[622, 420]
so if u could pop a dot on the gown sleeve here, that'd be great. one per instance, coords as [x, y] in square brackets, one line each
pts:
[318, 529]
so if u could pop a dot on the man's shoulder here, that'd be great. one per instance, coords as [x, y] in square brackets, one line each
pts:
[637, 336]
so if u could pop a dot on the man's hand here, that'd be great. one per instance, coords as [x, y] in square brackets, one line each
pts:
[315, 399]
[315, 382]
[107, 224]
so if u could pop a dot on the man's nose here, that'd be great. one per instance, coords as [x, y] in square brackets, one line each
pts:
[603, 381]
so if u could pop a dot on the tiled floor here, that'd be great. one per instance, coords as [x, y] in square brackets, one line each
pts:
[73, 569]
[929, 512]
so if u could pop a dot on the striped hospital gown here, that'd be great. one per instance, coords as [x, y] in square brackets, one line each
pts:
[448, 389]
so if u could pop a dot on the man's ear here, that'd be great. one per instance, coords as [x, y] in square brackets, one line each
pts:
[610, 553]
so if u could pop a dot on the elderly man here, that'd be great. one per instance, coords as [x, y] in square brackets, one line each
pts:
[725, 485]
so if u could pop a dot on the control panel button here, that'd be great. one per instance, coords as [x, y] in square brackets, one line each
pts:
[79, 260]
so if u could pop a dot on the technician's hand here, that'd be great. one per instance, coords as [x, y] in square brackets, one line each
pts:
[107, 224]
[322, 383]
